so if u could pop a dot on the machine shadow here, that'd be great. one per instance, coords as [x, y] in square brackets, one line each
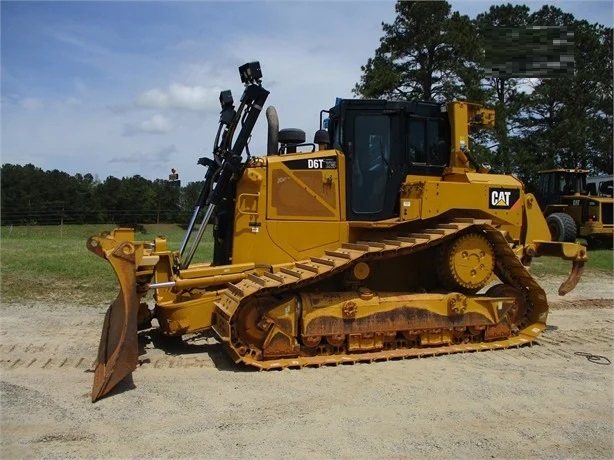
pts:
[126, 384]
[194, 344]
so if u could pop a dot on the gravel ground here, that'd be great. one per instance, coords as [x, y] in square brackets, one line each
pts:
[540, 401]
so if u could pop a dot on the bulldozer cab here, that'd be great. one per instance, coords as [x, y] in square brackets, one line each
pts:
[554, 184]
[384, 141]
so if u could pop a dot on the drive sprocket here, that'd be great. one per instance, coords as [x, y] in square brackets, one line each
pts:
[466, 263]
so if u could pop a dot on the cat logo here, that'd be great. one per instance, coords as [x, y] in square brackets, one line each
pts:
[500, 198]
[503, 198]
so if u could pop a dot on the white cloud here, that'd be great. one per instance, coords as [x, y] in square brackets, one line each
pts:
[72, 101]
[158, 124]
[84, 138]
[179, 96]
[528, 85]
[31, 103]
[162, 155]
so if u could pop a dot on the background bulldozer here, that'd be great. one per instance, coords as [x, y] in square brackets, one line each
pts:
[376, 241]
[571, 212]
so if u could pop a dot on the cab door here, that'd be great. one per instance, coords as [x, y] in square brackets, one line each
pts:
[375, 159]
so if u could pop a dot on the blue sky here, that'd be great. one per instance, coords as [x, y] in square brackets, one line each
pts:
[124, 88]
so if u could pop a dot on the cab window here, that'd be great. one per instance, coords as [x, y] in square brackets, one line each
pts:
[428, 142]
[566, 184]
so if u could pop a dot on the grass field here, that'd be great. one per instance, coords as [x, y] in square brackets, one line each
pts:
[51, 263]
[599, 260]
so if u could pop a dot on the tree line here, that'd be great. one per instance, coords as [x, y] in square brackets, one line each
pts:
[563, 119]
[32, 196]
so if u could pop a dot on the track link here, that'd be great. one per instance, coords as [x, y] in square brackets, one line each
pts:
[297, 275]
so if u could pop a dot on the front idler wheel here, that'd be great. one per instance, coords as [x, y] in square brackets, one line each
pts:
[517, 313]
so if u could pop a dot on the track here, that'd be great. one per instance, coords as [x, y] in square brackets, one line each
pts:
[304, 273]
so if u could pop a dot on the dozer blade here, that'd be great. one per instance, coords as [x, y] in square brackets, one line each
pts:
[118, 349]
[574, 277]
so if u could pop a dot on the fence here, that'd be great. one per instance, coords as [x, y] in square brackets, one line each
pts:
[51, 216]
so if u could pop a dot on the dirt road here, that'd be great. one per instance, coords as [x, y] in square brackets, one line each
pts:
[541, 401]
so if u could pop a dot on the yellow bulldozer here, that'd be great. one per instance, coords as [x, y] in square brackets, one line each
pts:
[382, 239]
[573, 210]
